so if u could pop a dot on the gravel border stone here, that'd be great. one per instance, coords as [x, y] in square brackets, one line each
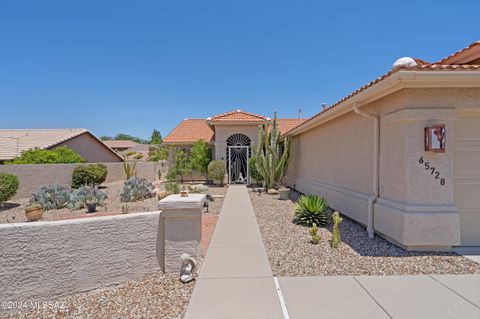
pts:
[291, 254]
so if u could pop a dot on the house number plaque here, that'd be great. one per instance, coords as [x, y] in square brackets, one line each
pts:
[432, 170]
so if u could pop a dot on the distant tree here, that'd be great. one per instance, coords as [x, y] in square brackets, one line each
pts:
[200, 156]
[181, 167]
[158, 153]
[106, 138]
[156, 137]
[126, 137]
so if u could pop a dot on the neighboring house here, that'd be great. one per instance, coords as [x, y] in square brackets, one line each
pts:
[120, 145]
[230, 136]
[367, 153]
[14, 141]
[125, 146]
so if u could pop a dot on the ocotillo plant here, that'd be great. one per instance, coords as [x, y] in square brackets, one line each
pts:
[272, 157]
[336, 238]
[130, 167]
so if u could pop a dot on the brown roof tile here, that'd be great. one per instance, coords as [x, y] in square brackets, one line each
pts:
[190, 130]
[451, 58]
[238, 116]
[120, 143]
[285, 125]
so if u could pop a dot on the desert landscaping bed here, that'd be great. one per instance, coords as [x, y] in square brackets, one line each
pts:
[13, 211]
[291, 254]
[154, 296]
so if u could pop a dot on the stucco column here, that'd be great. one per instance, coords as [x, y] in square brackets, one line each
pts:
[416, 206]
[220, 151]
[182, 228]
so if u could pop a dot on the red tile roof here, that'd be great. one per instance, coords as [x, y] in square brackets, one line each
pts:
[285, 125]
[238, 116]
[190, 130]
[422, 65]
[453, 57]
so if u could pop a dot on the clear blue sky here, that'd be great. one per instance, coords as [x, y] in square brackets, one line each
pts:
[131, 66]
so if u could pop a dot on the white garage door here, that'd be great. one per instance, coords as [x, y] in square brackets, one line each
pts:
[467, 179]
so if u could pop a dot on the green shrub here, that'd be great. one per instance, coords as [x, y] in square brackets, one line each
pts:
[51, 196]
[92, 174]
[135, 189]
[200, 156]
[216, 170]
[252, 169]
[311, 209]
[60, 155]
[172, 187]
[8, 186]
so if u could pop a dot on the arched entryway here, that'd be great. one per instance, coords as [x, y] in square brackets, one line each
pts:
[238, 153]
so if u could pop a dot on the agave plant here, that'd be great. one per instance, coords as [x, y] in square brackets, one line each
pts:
[310, 210]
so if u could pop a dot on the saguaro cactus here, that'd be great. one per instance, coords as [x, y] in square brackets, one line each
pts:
[336, 237]
[272, 157]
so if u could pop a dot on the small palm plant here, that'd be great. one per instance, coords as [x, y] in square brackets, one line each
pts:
[311, 209]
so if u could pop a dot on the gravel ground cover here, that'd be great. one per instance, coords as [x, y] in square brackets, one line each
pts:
[154, 296]
[291, 254]
[14, 211]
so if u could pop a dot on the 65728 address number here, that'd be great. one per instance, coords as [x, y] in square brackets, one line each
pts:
[432, 170]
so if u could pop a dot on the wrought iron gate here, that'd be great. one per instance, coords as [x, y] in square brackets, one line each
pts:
[238, 164]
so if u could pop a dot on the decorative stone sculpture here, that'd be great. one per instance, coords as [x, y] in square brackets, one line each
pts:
[189, 266]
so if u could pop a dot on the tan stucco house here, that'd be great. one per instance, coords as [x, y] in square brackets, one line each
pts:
[400, 155]
[230, 136]
[14, 141]
[369, 154]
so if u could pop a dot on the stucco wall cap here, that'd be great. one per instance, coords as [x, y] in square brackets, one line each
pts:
[405, 62]
[192, 201]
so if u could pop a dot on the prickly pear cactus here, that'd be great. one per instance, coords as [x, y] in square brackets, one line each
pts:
[51, 196]
[336, 237]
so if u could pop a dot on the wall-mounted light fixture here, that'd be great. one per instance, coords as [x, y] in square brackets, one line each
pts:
[435, 138]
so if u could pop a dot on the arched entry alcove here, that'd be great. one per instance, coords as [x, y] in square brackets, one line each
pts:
[238, 153]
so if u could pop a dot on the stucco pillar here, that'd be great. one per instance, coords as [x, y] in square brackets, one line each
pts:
[220, 151]
[416, 205]
[182, 223]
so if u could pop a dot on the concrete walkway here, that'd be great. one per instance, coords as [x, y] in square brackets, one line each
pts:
[236, 282]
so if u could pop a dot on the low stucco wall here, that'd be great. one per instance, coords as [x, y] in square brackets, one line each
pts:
[33, 176]
[45, 260]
